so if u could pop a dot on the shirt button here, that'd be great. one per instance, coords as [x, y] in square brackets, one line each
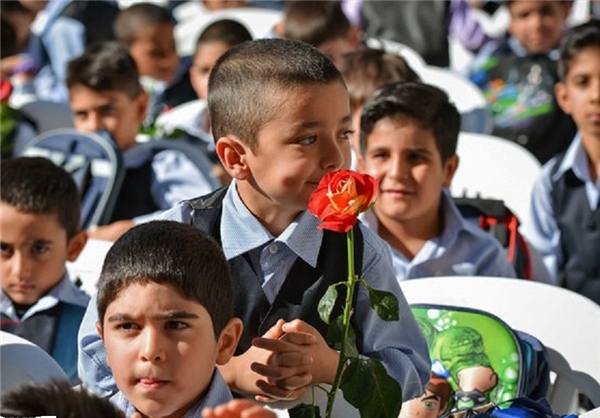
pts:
[273, 248]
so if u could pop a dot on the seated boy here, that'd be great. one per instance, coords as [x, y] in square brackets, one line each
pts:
[146, 29]
[165, 314]
[105, 94]
[322, 24]
[565, 216]
[39, 233]
[277, 145]
[364, 71]
[192, 117]
[517, 76]
[408, 136]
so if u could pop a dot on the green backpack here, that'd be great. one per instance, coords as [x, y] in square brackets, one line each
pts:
[482, 358]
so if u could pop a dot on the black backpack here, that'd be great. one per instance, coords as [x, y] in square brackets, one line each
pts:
[494, 217]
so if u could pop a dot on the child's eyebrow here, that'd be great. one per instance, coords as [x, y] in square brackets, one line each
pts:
[178, 315]
[118, 317]
[313, 124]
[434, 397]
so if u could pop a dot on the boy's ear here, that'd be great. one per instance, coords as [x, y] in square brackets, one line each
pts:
[100, 332]
[560, 91]
[76, 244]
[449, 168]
[232, 153]
[142, 105]
[228, 340]
[99, 329]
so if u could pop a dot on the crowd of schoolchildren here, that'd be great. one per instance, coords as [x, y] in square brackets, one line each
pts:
[210, 290]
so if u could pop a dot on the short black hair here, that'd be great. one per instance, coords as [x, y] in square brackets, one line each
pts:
[243, 82]
[314, 22]
[131, 20]
[170, 253]
[105, 66]
[425, 104]
[586, 35]
[230, 32]
[56, 398]
[37, 185]
[366, 69]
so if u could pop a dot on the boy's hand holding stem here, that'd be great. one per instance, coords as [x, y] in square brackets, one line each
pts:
[282, 363]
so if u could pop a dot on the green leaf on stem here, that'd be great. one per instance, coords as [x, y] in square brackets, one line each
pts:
[334, 337]
[304, 411]
[367, 386]
[383, 303]
[327, 302]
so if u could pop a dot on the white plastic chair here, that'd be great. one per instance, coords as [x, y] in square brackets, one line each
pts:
[466, 96]
[86, 269]
[493, 167]
[22, 361]
[193, 18]
[567, 323]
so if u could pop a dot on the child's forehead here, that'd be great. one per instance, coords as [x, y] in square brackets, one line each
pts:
[38, 222]
[583, 62]
[154, 31]
[80, 91]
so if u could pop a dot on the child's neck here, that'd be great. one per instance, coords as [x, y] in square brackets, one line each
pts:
[408, 237]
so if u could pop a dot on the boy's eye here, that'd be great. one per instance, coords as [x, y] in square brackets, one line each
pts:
[580, 81]
[308, 140]
[416, 157]
[5, 249]
[127, 326]
[107, 110]
[347, 134]
[379, 155]
[40, 248]
[176, 325]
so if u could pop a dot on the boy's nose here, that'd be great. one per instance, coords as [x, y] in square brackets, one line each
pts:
[336, 155]
[151, 346]
[92, 123]
[21, 266]
[397, 169]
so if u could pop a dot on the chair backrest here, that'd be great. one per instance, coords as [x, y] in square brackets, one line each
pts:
[22, 362]
[85, 271]
[466, 96]
[564, 321]
[496, 168]
[48, 115]
[95, 163]
[192, 151]
[193, 19]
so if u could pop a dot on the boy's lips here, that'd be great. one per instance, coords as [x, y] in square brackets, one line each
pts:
[397, 192]
[22, 287]
[151, 383]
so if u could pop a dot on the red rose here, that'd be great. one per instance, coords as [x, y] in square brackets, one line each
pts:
[6, 89]
[340, 197]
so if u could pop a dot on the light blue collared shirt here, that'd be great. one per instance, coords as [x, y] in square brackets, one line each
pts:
[63, 39]
[64, 291]
[462, 249]
[399, 345]
[542, 229]
[217, 394]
